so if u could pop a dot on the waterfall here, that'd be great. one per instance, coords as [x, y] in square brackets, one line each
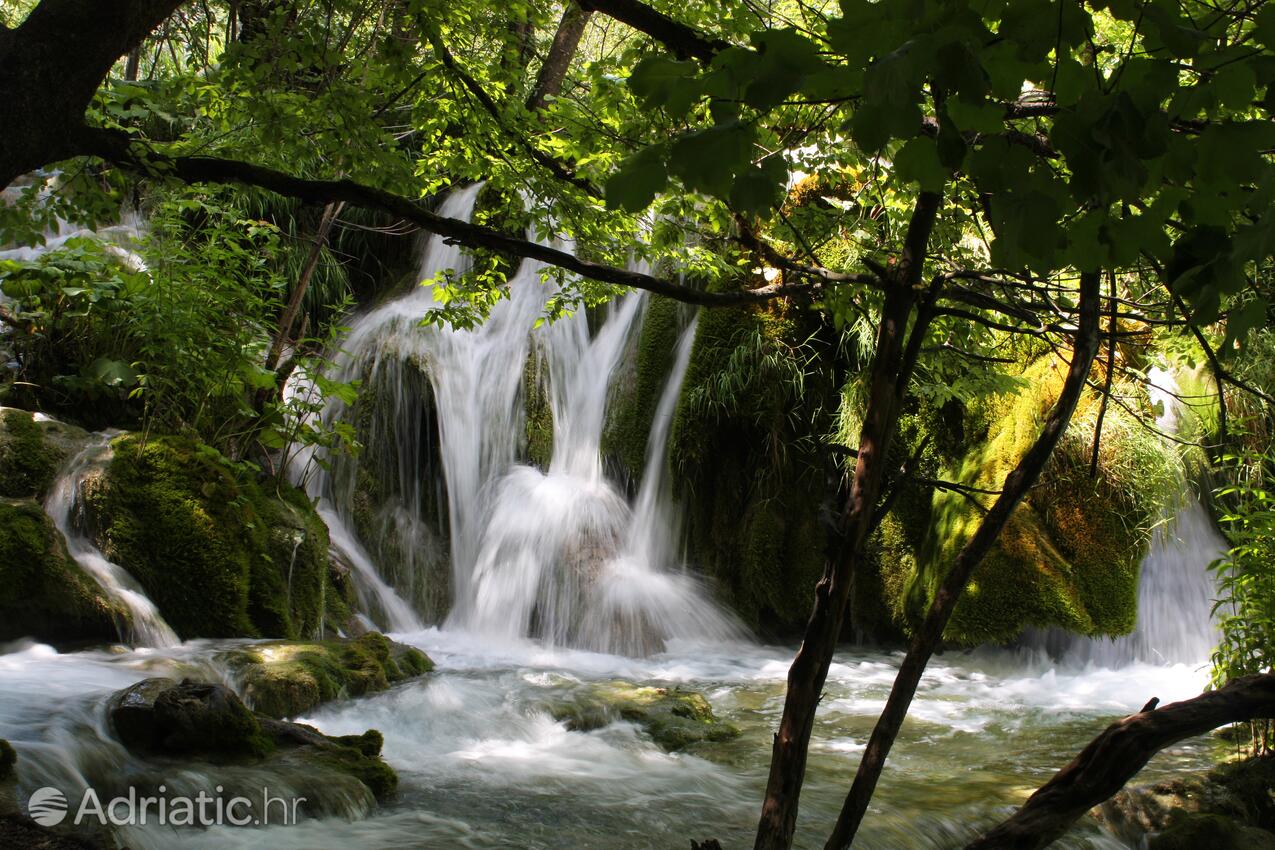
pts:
[148, 627]
[556, 554]
[1175, 589]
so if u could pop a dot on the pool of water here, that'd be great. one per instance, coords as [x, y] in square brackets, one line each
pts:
[482, 764]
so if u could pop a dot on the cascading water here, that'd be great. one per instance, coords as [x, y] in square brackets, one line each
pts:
[147, 627]
[1175, 588]
[556, 554]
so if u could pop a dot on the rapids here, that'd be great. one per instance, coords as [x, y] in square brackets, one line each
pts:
[483, 765]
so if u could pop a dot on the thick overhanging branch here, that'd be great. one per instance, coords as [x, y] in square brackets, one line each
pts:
[115, 147]
[682, 40]
[1114, 757]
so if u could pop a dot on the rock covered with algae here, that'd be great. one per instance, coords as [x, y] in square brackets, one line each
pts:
[675, 718]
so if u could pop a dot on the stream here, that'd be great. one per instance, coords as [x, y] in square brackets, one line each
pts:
[483, 765]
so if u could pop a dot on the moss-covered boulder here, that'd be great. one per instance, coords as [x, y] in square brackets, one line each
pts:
[164, 720]
[44, 594]
[638, 384]
[219, 554]
[8, 760]
[28, 462]
[1230, 806]
[162, 716]
[1070, 554]
[746, 463]
[287, 679]
[674, 718]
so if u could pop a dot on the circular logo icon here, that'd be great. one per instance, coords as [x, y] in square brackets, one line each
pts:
[47, 806]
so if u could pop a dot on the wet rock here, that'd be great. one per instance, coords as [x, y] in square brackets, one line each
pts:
[44, 594]
[1234, 802]
[186, 718]
[674, 718]
[287, 679]
[163, 720]
[28, 463]
[1193, 830]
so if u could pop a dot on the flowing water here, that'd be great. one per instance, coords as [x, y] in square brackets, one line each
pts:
[1175, 589]
[555, 553]
[557, 580]
[482, 764]
[145, 627]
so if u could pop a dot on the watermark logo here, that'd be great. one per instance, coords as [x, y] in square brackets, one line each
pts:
[47, 806]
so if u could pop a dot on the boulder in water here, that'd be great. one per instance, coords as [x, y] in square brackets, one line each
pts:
[164, 719]
[219, 554]
[44, 594]
[28, 463]
[287, 679]
[1233, 806]
[674, 718]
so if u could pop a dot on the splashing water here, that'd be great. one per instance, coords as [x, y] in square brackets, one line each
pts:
[147, 627]
[558, 554]
[1175, 589]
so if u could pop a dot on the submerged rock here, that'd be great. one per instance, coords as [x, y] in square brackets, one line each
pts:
[165, 719]
[674, 718]
[287, 679]
[44, 594]
[1231, 806]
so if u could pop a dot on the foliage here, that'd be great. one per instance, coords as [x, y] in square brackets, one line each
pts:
[1246, 585]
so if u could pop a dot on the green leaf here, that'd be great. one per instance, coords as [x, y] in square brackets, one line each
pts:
[918, 162]
[708, 160]
[760, 189]
[979, 117]
[639, 179]
[112, 373]
[1239, 322]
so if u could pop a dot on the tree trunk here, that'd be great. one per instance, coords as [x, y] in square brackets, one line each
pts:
[50, 68]
[890, 373]
[289, 317]
[927, 638]
[1110, 760]
[565, 42]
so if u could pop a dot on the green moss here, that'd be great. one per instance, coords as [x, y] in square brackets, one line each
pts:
[1069, 555]
[638, 390]
[674, 718]
[28, 463]
[745, 462]
[290, 679]
[219, 556]
[355, 761]
[538, 423]
[43, 593]
[1193, 830]
[8, 759]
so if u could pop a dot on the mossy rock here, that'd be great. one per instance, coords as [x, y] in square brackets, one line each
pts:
[638, 386]
[674, 718]
[288, 679]
[1193, 830]
[8, 760]
[28, 462]
[163, 717]
[538, 418]
[218, 554]
[1070, 553]
[745, 464]
[162, 720]
[44, 594]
